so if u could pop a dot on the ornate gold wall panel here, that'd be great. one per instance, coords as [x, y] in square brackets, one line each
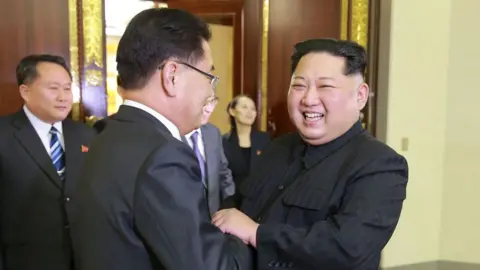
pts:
[359, 22]
[87, 59]
[266, 10]
[93, 32]
[359, 10]
[74, 66]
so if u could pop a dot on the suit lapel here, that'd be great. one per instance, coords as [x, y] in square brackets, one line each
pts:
[29, 139]
[255, 149]
[213, 185]
[209, 154]
[73, 154]
[236, 151]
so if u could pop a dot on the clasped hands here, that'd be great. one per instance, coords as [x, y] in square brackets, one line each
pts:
[237, 223]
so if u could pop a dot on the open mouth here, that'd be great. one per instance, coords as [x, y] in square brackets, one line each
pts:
[313, 116]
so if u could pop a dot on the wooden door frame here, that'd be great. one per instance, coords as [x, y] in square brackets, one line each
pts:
[360, 23]
[231, 9]
[88, 58]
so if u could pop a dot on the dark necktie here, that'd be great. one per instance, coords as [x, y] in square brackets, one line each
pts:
[200, 159]
[57, 154]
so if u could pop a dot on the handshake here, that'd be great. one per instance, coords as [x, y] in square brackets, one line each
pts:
[236, 223]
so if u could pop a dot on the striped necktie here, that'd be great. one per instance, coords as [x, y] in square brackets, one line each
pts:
[56, 153]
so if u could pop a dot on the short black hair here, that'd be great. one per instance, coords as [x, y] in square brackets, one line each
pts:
[27, 67]
[354, 54]
[152, 37]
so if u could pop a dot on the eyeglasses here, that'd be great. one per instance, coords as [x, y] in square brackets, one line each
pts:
[212, 101]
[213, 79]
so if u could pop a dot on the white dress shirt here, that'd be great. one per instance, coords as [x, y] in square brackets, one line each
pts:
[167, 123]
[201, 146]
[43, 130]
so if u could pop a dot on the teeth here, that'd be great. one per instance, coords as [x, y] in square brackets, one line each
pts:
[310, 115]
[313, 116]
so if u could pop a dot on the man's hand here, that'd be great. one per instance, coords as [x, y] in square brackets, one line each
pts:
[237, 223]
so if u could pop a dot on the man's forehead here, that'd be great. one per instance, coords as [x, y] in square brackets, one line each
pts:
[323, 66]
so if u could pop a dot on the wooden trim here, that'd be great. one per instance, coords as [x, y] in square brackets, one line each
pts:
[345, 19]
[231, 9]
[264, 77]
[373, 56]
[74, 56]
[81, 62]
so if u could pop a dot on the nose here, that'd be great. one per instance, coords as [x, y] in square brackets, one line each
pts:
[311, 97]
[61, 95]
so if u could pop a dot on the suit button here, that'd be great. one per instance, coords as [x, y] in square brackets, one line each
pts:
[281, 187]
[66, 227]
[67, 199]
[259, 219]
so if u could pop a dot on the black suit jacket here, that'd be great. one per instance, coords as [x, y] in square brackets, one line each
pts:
[236, 161]
[330, 207]
[142, 203]
[100, 125]
[34, 204]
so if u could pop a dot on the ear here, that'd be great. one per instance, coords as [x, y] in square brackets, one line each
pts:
[170, 77]
[24, 92]
[363, 93]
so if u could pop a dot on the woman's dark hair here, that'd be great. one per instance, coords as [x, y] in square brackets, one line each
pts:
[232, 105]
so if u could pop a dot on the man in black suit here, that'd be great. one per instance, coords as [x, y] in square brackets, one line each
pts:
[142, 200]
[330, 195]
[40, 156]
[206, 142]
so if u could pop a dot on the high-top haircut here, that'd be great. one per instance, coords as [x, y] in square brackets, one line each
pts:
[354, 54]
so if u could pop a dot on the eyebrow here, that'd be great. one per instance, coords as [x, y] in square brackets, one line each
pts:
[326, 78]
[58, 83]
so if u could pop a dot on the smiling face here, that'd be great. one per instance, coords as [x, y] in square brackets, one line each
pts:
[190, 89]
[323, 102]
[208, 109]
[49, 94]
[244, 112]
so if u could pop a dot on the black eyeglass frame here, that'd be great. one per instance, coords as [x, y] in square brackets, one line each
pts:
[213, 79]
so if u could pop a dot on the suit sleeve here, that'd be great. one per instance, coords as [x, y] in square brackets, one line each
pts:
[171, 215]
[362, 226]
[226, 180]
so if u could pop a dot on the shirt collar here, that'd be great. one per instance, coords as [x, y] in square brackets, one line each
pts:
[40, 126]
[195, 130]
[315, 154]
[167, 123]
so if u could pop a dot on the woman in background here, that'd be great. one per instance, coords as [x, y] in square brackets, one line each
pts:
[243, 144]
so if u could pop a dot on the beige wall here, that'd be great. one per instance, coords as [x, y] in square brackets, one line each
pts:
[222, 51]
[460, 230]
[427, 62]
